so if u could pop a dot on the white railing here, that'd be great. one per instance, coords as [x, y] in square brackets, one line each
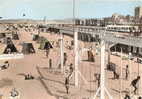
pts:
[11, 56]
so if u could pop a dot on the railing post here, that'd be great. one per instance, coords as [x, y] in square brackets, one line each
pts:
[102, 85]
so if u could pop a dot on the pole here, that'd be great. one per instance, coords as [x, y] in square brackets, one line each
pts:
[140, 82]
[62, 53]
[130, 71]
[76, 58]
[102, 83]
[108, 61]
[73, 13]
[102, 88]
[138, 75]
[121, 76]
[75, 48]
[108, 56]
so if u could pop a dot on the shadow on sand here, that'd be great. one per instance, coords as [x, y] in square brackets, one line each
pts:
[46, 87]
[5, 82]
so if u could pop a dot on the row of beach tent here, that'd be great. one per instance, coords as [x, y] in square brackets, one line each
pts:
[27, 48]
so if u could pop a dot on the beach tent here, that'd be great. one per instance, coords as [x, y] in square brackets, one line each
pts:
[10, 48]
[72, 43]
[41, 39]
[7, 40]
[45, 45]
[35, 37]
[90, 56]
[15, 37]
[2, 35]
[28, 48]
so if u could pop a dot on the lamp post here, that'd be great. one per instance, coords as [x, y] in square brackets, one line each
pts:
[76, 52]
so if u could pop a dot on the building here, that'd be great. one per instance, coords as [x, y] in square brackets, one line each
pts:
[138, 12]
[89, 22]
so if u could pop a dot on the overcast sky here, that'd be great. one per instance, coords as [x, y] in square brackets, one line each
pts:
[60, 9]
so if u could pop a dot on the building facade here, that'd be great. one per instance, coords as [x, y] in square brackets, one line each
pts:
[138, 12]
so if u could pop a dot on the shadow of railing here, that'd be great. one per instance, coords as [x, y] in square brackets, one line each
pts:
[41, 79]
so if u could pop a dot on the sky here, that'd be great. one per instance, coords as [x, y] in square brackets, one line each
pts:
[61, 9]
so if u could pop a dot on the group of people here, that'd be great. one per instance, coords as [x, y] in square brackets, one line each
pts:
[97, 76]
[133, 82]
[116, 75]
[29, 77]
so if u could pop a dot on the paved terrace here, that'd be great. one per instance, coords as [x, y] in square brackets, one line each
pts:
[103, 34]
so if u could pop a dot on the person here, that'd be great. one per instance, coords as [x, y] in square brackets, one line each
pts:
[6, 65]
[126, 72]
[47, 52]
[71, 69]
[50, 63]
[28, 77]
[139, 97]
[134, 83]
[9, 51]
[65, 58]
[67, 84]
[14, 93]
[115, 75]
[98, 79]
[127, 96]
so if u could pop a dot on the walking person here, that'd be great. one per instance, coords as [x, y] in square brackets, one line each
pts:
[127, 96]
[67, 84]
[47, 52]
[70, 69]
[134, 84]
[50, 63]
[98, 79]
[115, 75]
[65, 58]
[127, 72]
